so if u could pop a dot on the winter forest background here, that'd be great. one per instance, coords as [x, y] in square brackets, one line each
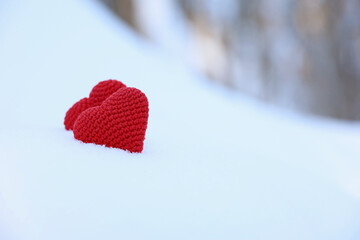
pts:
[299, 54]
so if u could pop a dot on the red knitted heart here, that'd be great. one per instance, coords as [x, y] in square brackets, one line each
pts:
[97, 95]
[119, 122]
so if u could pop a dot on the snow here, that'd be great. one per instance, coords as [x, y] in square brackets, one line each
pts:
[215, 165]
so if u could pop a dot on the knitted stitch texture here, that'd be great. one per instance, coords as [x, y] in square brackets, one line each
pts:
[97, 95]
[119, 122]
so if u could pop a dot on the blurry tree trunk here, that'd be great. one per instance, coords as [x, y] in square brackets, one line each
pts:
[124, 9]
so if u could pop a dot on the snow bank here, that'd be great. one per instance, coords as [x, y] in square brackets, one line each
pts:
[215, 165]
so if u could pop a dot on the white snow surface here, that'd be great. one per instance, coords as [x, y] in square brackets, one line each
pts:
[215, 164]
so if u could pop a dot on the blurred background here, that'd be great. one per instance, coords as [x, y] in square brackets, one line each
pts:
[302, 55]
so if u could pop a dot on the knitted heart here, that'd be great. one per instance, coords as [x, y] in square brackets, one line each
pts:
[97, 95]
[119, 122]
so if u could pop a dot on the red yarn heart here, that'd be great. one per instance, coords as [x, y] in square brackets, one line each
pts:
[97, 95]
[119, 122]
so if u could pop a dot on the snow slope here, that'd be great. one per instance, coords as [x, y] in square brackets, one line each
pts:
[215, 165]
